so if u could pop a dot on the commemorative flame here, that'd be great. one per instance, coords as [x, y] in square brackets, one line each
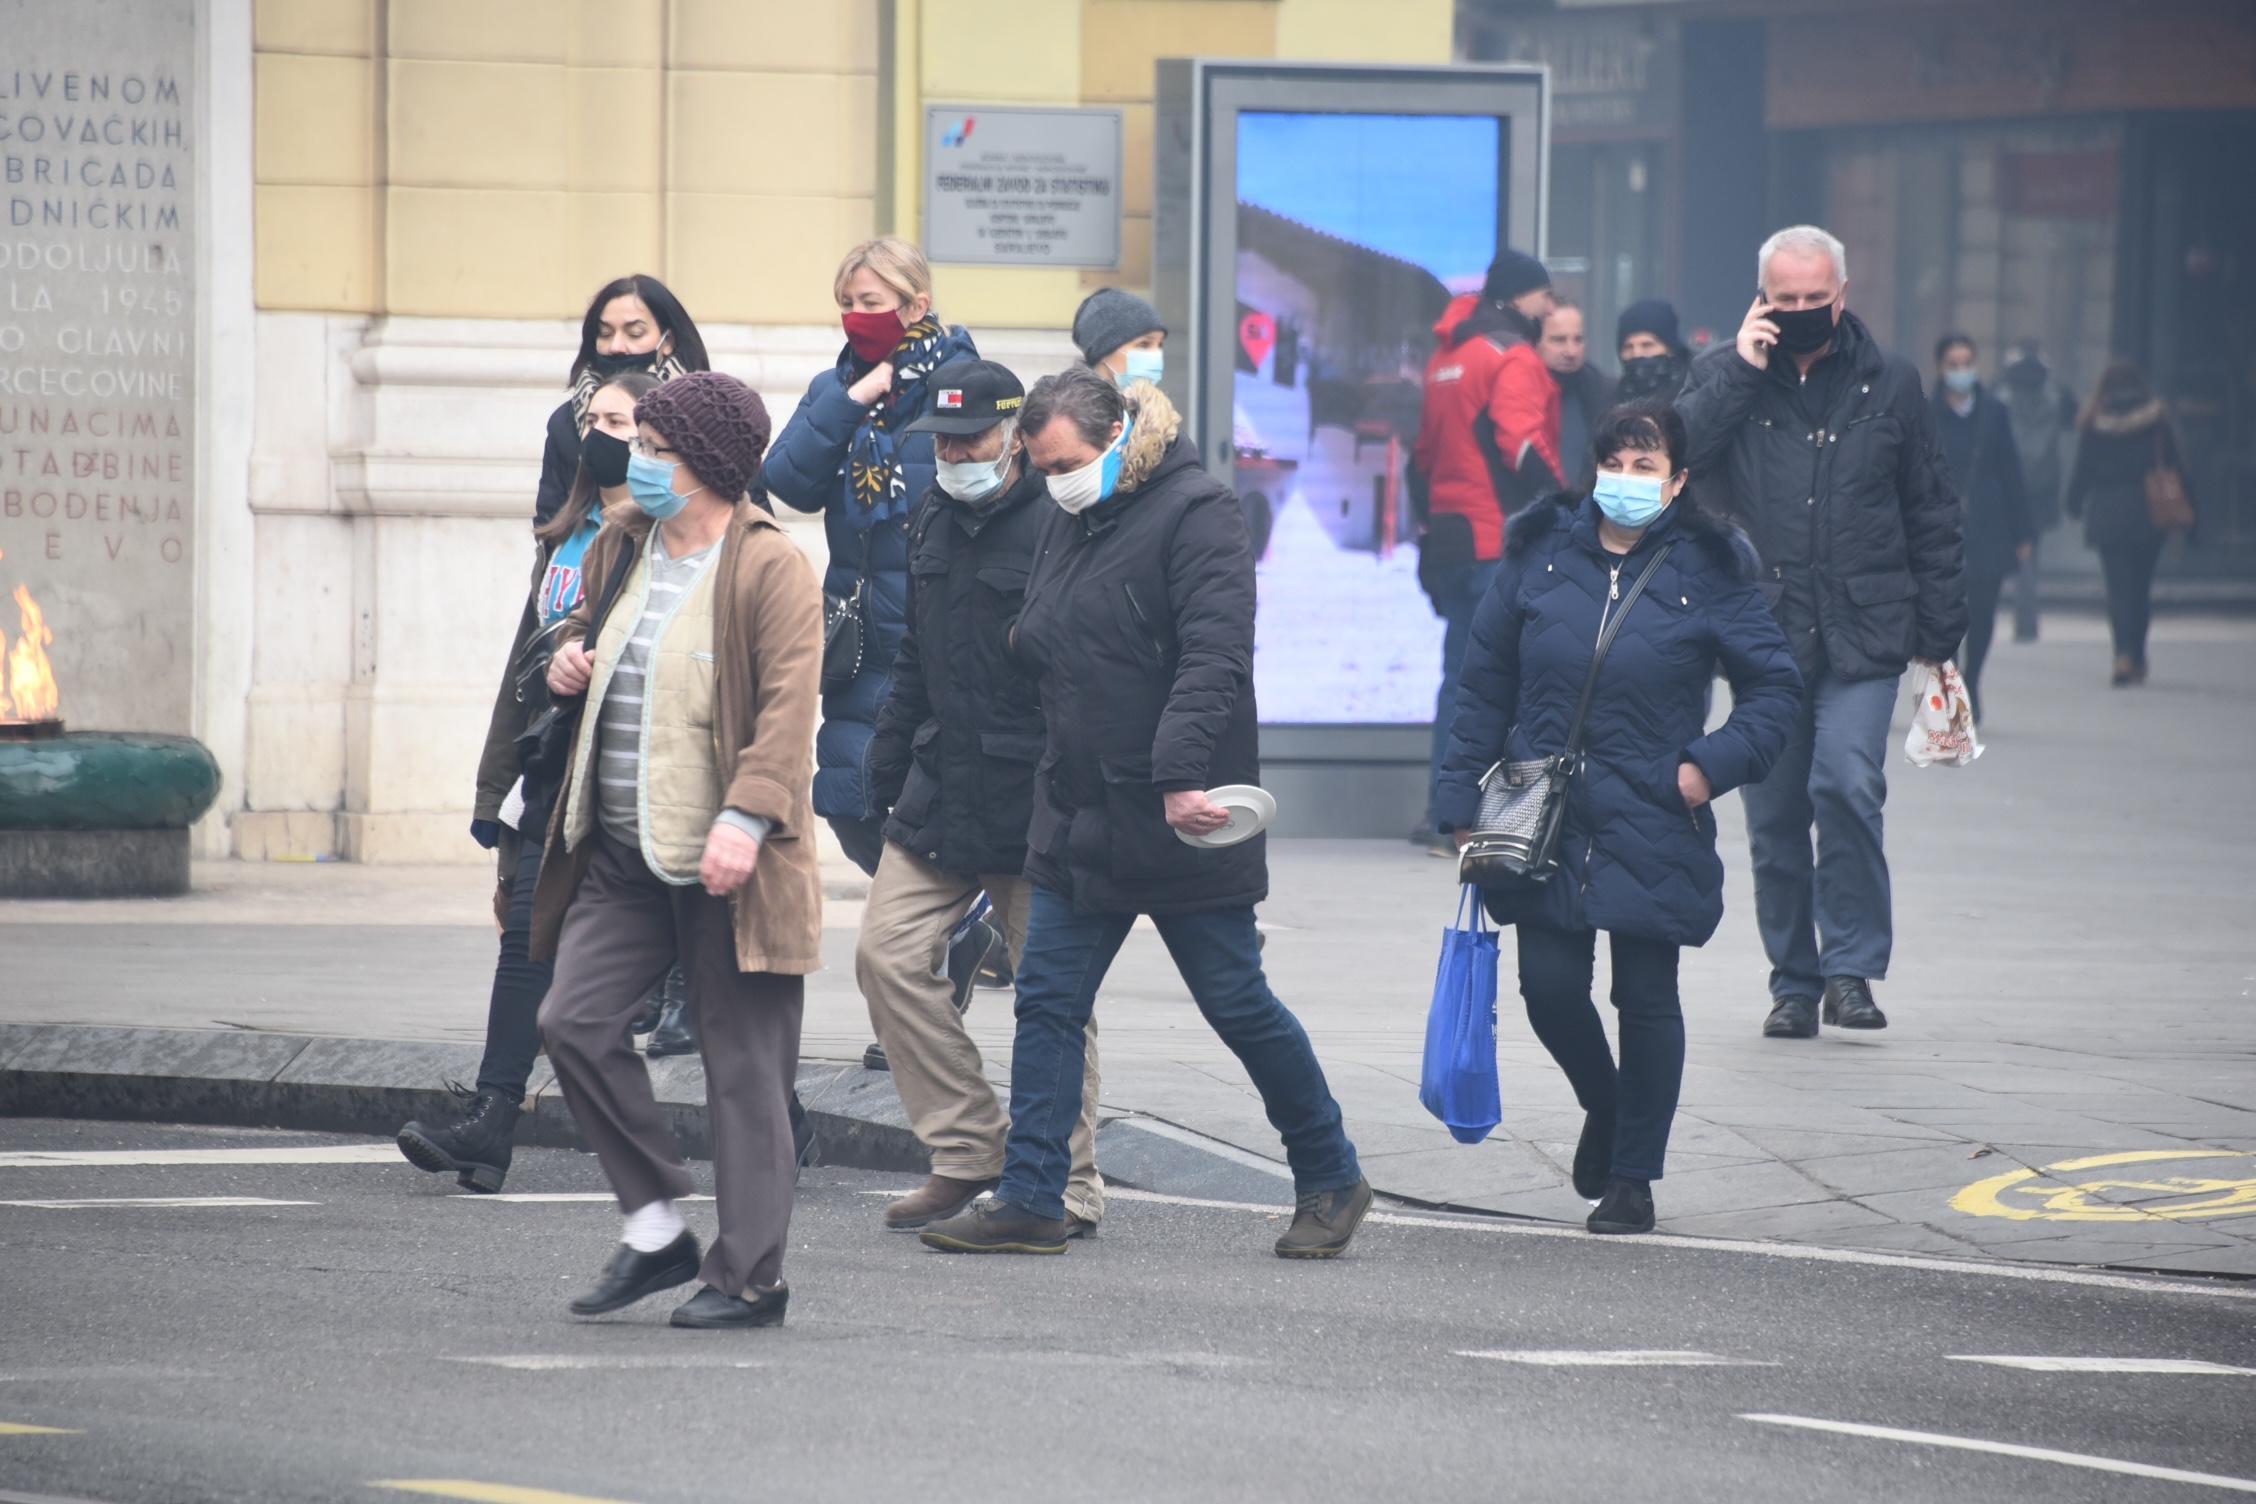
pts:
[29, 699]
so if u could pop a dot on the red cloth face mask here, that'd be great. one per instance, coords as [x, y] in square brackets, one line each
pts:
[873, 336]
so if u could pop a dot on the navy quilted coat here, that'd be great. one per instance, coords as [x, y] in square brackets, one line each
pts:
[805, 469]
[1633, 860]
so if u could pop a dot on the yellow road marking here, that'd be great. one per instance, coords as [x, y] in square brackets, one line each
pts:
[485, 1493]
[13, 1428]
[2062, 1193]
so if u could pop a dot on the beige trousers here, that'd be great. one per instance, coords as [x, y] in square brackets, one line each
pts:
[913, 907]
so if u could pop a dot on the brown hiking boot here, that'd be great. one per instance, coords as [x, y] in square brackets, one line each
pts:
[998, 1227]
[938, 1198]
[1324, 1221]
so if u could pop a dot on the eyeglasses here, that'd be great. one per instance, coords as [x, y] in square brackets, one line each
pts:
[648, 450]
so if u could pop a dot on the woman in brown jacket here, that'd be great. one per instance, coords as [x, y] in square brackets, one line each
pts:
[685, 824]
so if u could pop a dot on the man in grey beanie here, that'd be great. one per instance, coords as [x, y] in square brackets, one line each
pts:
[1120, 334]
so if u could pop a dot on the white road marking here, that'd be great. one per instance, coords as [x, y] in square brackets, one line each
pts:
[2010, 1449]
[555, 1362]
[2102, 1365]
[92, 1202]
[1620, 1358]
[312, 1154]
[551, 1197]
[2035, 1274]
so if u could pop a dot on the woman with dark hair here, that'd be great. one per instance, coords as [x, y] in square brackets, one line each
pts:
[633, 323]
[2124, 435]
[511, 812]
[1637, 852]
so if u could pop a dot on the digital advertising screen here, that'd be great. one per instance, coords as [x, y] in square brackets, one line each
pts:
[1353, 233]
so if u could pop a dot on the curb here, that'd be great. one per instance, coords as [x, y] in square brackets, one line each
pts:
[312, 1083]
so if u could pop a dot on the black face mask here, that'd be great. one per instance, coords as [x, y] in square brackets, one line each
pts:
[1802, 330]
[1651, 376]
[608, 366]
[605, 456]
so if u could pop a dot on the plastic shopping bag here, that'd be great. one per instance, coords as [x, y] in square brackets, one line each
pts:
[1458, 1084]
[1942, 722]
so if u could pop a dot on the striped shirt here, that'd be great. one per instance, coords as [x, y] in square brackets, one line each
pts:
[618, 727]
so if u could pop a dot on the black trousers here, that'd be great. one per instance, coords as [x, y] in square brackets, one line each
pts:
[1555, 974]
[2128, 568]
[519, 982]
[1984, 586]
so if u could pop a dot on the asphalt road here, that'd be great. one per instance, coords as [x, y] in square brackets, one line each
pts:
[362, 1325]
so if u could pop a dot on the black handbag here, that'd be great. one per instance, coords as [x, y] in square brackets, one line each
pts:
[1515, 838]
[544, 747]
[845, 630]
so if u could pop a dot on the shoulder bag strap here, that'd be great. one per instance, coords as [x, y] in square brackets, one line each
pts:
[1605, 644]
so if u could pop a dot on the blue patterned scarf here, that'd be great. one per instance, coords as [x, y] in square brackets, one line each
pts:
[874, 480]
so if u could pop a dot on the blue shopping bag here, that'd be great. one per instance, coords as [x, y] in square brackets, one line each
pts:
[1458, 1084]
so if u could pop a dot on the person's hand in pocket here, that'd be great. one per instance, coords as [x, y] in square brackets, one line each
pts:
[1693, 785]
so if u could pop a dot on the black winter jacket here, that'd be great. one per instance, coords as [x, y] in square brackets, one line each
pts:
[1139, 622]
[959, 733]
[2107, 489]
[1850, 510]
[560, 461]
[1633, 860]
[1985, 467]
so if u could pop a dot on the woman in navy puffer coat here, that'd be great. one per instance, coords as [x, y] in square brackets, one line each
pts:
[847, 454]
[1637, 851]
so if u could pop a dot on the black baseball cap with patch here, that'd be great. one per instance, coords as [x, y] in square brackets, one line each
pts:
[969, 396]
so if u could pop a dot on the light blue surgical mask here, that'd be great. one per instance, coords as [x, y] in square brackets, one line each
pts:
[1961, 380]
[974, 481]
[1078, 490]
[651, 483]
[1630, 502]
[1143, 365]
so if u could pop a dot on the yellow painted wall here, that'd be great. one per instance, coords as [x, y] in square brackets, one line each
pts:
[500, 158]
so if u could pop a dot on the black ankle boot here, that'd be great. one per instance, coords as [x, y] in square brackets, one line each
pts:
[1594, 1155]
[476, 1150]
[1627, 1207]
[672, 1036]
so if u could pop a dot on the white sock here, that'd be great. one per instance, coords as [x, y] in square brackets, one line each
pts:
[652, 1227]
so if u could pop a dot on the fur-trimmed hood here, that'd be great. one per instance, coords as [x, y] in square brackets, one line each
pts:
[1722, 543]
[2131, 420]
[1157, 424]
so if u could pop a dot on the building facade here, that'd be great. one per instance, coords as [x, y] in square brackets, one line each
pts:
[401, 208]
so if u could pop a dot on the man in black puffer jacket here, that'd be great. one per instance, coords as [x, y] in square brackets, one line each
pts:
[1139, 625]
[953, 760]
[1828, 459]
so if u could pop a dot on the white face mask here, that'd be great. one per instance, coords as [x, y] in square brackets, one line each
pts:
[974, 481]
[1080, 489]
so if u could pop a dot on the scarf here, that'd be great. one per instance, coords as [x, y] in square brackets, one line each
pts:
[873, 473]
[588, 384]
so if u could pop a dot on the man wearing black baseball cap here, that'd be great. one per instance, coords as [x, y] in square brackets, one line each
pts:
[953, 760]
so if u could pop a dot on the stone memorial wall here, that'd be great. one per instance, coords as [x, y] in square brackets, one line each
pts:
[97, 360]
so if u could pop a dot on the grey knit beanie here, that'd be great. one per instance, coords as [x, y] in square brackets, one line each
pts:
[1108, 318]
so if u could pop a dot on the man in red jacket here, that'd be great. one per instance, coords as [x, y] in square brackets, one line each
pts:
[1488, 444]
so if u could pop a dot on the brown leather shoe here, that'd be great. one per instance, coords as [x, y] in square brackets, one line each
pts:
[937, 1198]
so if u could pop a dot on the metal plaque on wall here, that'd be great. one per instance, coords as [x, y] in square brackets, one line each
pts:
[1022, 187]
[97, 362]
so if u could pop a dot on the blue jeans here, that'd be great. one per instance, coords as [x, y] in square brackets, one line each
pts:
[519, 982]
[1828, 913]
[1457, 591]
[1064, 962]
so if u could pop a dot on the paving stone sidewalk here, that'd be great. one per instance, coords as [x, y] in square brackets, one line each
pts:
[2075, 981]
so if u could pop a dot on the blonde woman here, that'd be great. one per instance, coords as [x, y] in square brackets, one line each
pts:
[847, 453]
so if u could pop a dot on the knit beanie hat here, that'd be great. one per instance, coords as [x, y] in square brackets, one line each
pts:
[717, 424]
[1108, 318]
[1511, 274]
[1654, 316]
